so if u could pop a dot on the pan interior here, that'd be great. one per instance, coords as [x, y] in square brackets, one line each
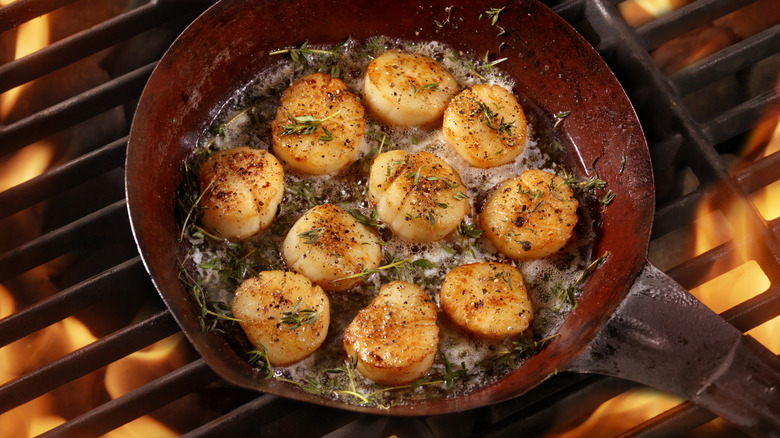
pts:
[554, 69]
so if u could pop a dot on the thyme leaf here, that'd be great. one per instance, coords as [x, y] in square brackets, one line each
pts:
[297, 318]
[494, 14]
[305, 125]
[312, 236]
[372, 220]
[259, 358]
[298, 55]
[490, 120]
[432, 86]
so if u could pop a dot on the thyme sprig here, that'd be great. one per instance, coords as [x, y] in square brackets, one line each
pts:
[431, 86]
[490, 120]
[372, 220]
[567, 295]
[308, 124]
[311, 237]
[259, 358]
[298, 55]
[297, 318]
[194, 206]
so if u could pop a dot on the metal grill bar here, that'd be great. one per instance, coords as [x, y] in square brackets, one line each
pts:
[67, 176]
[106, 223]
[729, 60]
[90, 358]
[685, 19]
[120, 279]
[83, 44]
[74, 110]
[22, 11]
[738, 119]
[137, 403]
[247, 419]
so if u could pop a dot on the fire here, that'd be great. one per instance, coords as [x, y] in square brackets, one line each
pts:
[33, 159]
[31, 37]
[639, 12]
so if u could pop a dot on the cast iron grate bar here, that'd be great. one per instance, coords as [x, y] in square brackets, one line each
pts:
[685, 19]
[120, 280]
[138, 402]
[22, 11]
[106, 223]
[729, 60]
[85, 360]
[83, 44]
[74, 110]
[67, 176]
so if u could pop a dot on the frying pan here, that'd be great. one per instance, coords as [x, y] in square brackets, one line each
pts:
[631, 321]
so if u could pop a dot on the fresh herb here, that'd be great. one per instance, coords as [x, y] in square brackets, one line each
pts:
[452, 375]
[505, 277]
[372, 220]
[312, 236]
[193, 207]
[564, 296]
[259, 358]
[502, 127]
[304, 191]
[592, 267]
[364, 273]
[559, 117]
[297, 318]
[394, 164]
[494, 14]
[298, 55]
[622, 163]
[441, 24]
[607, 198]
[431, 218]
[431, 86]
[567, 295]
[213, 314]
[459, 196]
[469, 230]
[305, 125]
[526, 346]
[414, 176]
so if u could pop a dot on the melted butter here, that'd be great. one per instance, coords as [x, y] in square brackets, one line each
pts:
[348, 190]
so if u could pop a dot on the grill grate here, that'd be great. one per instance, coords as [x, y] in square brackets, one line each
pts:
[96, 245]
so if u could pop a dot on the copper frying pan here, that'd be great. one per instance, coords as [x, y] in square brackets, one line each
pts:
[632, 321]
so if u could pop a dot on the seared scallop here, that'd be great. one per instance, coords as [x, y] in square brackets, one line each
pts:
[283, 312]
[242, 189]
[407, 89]
[488, 300]
[419, 196]
[531, 216]
[485, 125]
[319, 125]
[394, 340]
[327, 245]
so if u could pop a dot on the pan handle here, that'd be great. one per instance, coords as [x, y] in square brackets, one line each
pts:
[663, 337]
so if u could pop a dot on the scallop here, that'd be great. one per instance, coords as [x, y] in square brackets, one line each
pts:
[328, 245]
[485, 125]
[284, 313]
[319, 125]
[531, 216]
[241, 191]
[419, 196]
[394, 339]
[407, 89]
[488, 300]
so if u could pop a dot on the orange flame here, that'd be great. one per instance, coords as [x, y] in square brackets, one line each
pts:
[31, 37]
